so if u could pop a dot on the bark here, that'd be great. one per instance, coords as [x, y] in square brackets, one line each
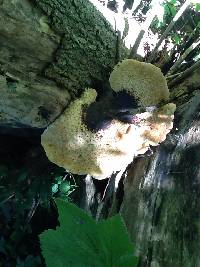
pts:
[161, 195]
[49, 52]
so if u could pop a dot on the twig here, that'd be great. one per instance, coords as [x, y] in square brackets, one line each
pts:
[32, 210]
[184, 74]
[7, 199]
[136, 3]
[168, 77]
[183, 56]
[137, 44]
[150, 16]
[170, 26]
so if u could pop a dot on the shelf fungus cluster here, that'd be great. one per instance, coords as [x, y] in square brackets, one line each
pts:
[71, 143]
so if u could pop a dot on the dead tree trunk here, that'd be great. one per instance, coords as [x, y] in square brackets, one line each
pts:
[161, 194]
[49, 52]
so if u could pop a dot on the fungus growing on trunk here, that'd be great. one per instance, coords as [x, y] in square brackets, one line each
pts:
[71, 144]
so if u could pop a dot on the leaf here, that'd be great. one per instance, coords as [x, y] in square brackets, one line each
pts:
[172, 10]
[198, 7]
[65, 187]
[54, 188]
[74, 242]
[30, 261]
[176, 38]
[81, 242]
[116, 242]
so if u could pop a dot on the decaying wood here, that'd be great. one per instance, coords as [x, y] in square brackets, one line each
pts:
[161, 196]
[49, 52]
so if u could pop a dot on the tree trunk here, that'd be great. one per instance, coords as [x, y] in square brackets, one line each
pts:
[161, 193]
[49, 52]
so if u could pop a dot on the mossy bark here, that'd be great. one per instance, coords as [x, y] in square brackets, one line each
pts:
[49, 52]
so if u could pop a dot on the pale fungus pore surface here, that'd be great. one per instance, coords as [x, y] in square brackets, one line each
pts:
[142, 80]
[70, 144]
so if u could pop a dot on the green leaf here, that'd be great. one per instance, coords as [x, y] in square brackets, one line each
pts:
[65, 187]
[172, 10]
[115, 240]
[74, 242]
[59, 179]
[176, 38]
[198, 7]
[173, 2]
[81, 242]
[54, 188]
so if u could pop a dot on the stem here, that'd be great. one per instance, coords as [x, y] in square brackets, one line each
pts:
[183, 56]
[150, 16]
[137, 44]
[184, 74]
[170, 26]
[172, 76]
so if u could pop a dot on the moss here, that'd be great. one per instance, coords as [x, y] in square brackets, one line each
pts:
[87, 50]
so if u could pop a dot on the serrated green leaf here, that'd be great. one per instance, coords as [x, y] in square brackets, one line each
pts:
[81, 242]
[75, 242]
[116, 242]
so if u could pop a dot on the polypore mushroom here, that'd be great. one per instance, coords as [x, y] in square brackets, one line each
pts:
[142, 80]
[71, 144]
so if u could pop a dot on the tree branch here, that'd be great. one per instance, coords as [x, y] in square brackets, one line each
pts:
[184, 74]
[176, 65]
[150, 16]
[170, 26]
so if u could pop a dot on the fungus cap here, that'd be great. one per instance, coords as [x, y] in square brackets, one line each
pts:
[69, 143]
[142, 80]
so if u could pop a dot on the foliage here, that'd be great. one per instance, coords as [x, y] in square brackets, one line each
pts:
[80, 241]
[21, 196]
[62, 188]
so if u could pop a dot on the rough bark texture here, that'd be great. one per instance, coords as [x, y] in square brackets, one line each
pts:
[161, 195]
[49, 51]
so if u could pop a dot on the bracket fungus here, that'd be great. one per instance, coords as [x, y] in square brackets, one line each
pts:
[70, 143]
[142, 80]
